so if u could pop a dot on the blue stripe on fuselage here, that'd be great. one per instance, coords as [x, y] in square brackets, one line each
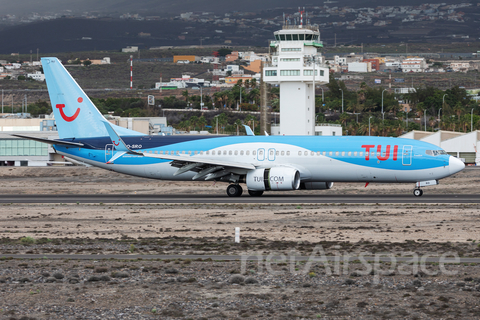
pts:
[95, 148]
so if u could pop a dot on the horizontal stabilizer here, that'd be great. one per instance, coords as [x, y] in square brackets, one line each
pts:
[117, 141]
[116, 156]
[50, 141]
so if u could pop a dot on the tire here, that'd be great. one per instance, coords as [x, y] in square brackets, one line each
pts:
[418, 192]
[234, 190]
[253, 193]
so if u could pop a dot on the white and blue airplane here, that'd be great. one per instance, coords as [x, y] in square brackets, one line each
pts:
[263, 163]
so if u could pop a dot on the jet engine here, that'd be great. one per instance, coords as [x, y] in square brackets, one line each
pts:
[275, 179]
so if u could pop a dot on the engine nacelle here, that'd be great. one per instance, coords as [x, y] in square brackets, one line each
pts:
[275, 179]
[316, 185]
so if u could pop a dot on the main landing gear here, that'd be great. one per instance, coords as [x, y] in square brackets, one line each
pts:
[418, 192]
[234, 190]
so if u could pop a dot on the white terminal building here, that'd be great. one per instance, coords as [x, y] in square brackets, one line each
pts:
[293, 60]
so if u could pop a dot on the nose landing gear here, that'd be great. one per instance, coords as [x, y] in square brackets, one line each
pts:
[418, 192]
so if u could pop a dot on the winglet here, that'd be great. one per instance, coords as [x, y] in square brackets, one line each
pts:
[249, 131]
[117, 141]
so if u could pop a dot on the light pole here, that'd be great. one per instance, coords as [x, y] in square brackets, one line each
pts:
[425, 117]
[323, 100]
[471, 121]
[383, 116]
[201, 97]
[439, 118]
[369, 126]
[406, 116]
[342, 98]
[216, 118]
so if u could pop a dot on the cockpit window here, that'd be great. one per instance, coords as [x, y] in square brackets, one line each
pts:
[435, 152]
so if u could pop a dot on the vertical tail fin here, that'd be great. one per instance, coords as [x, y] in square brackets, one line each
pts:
[75, 114]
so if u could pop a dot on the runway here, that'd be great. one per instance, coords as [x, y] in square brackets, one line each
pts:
[219, 199]
[272, 258]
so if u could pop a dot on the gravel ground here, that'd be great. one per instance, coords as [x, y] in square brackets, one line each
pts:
[196, 289]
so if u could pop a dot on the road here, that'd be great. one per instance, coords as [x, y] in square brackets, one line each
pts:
[266, 199]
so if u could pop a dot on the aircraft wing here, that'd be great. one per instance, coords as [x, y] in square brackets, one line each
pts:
[206, 168]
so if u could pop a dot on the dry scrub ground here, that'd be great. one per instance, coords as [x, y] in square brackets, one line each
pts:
[168, 289]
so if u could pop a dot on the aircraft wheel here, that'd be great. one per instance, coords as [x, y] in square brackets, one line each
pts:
[255, 193]
[418, 192]
[234, 190]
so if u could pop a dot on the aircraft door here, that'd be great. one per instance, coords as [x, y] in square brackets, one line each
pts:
[108, 152]
[261, 154]
[271, 154]
[407, 153]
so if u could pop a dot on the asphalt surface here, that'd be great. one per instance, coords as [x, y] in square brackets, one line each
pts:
[265, 199]
[273, 258]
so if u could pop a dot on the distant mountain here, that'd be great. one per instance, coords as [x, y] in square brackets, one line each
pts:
[65, 35]
[155, 7]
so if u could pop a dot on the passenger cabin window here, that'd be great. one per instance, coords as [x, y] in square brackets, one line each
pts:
[254, 152]
[248, 152]
[288, 153]
[299, 153]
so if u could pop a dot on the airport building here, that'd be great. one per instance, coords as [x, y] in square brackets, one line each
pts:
[296, 67]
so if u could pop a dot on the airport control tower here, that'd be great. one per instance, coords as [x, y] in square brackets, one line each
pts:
[293, 58]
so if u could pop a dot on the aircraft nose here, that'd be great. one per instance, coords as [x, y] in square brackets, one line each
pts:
[455, 165]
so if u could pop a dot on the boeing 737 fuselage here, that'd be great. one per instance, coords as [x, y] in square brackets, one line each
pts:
[263, 163]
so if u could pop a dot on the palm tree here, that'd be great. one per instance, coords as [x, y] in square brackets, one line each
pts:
[185, 94]
[201, 122]
[254, 96]
[194, 122]
[253, 83]
[223, 120]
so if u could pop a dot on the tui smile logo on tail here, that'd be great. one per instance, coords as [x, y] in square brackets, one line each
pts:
[64, 116]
